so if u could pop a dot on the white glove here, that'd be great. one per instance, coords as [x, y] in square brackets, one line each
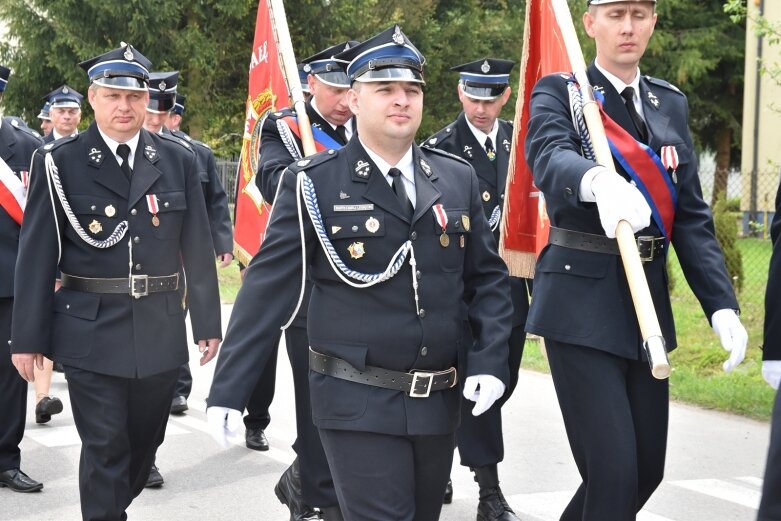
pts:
[491, 389]
[223, 424]
[771, 372]
[733, 336]
[619, 200]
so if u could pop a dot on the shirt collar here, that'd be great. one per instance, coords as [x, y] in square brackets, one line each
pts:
[480, 135]
[347, 126]
[112, 144]
[405, 163]
[619, 84]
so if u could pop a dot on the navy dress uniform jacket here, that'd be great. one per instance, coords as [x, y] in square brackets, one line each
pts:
[458, 139]
[379, 325]
[17, 144]
[214, 195]
[771, 349]
[582, 297]
[115, 334]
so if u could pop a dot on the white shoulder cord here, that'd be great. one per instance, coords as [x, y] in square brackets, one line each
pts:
[493, 221]
[287, 138]
[53, 175]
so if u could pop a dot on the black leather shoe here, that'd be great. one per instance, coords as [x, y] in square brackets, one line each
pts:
[448, 492]
[493, 506]
[155, 479]
[178, 405]
[255, 439]
[46, 408]
[18, 481]
[331, 513]
[288, 491]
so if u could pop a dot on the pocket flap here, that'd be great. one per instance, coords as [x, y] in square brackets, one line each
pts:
[573, 262]
[171, 201]
[92, 205]
[352, 353]
[77, 303]
[457, 222]
[355, 225]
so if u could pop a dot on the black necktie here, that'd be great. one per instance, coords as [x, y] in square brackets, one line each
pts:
[400, 191]
[123, 151]
[629, 94]
[342, 133]
[489, 149]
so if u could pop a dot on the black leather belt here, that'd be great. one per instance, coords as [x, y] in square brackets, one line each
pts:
[649, 247]
[136, 286]
[417, 384]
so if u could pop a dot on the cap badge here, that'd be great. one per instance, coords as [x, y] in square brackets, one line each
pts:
[485, 67]
[468, 151]
[653, 99]
[398, 39]
[162, 86]
[128, 54]
[372, 225]
[425, 166]
[356, 250]
[65, 90]
[307, 68]
[95, 227]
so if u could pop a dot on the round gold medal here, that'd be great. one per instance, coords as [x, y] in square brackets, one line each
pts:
[155, 221]
[444, 240]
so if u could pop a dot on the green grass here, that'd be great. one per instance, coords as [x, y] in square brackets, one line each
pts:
[230, 282]
[697, 376]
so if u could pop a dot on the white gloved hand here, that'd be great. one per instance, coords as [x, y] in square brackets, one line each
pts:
[223, 424]
[617, 200]
[733, 336]
[771, 372]
[491, 389]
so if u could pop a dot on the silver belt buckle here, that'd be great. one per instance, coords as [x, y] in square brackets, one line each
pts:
[143, 282]
[416, 376]
[651, 241]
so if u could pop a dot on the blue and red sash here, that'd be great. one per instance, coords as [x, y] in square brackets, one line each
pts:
[646, 170]
[322, 140]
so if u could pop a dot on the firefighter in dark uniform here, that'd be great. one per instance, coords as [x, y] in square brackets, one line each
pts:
[307, 482]
[117, 210]
[481, 138]
[64, 111]
[394, 270]
[17, 144]
[46, 119]
[615, 412]
[770, 506]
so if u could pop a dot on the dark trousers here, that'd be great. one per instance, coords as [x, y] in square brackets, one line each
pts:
[317, 485]
[13, 395]
[479, 438]
[121, 422]
[380, 477]
[770, 506]
[616, 414]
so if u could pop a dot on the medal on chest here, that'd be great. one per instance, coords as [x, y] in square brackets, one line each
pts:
[441, 216]
[151, 204]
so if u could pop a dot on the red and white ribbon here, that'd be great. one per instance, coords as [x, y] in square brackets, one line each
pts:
[441, 216]
[151, 203]
[669, 157]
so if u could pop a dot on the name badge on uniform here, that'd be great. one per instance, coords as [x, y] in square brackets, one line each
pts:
[353, 207]
[151, 203]
[441, 217]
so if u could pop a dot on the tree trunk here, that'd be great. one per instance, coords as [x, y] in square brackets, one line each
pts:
[722, 164]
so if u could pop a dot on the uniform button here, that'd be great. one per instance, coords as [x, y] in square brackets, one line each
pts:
[354, 229]
[413, 236]
[424, 351]
[138, 266]
[136, 239]
[166, 204]
[457, 224]
[568, 191]
[133, 211]
[67, 306]
[501, 196]
[567, 267]
[422, 313]
[418, 274]
[93, 207]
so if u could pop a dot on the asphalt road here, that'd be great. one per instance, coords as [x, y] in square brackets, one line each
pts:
[714, 472]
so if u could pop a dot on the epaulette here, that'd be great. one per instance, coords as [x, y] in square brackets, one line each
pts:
[48, 147]
[279, 114]
[447, 154]
[186, 137]
[439, 137]
[175, 139]
[20, 125]
[663, 83]
[200, 143]
[313, 160]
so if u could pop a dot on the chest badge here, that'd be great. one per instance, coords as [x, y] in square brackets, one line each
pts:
[468, 151]
[356, 250]
[343, 195]
[372, 225]
[95, 227]
[150, 152]
[506, 144]
[95, 156]
[653, 99]
[425, 167]
[465, 222]
[110, 211]
[486, 196]
[362, 169]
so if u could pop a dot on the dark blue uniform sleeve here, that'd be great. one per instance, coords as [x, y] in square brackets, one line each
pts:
[772, 345]
[274, 158]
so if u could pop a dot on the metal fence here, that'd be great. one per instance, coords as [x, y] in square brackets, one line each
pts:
[226, 170]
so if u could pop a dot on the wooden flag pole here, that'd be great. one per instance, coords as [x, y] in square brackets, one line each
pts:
[653, 341]
[290, 70]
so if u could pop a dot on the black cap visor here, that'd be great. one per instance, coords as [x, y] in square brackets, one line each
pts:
[483, 91]
[390, 74]
[121, 82]
[160, 105]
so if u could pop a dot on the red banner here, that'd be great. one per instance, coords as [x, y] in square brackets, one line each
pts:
[525, 225]
[267, 93]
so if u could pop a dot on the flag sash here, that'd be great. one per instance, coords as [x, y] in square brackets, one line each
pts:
[12, 193]
[322, 140]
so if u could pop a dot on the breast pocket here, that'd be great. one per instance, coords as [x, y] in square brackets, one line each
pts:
[171, 208]
[453, 239]
[98, 216]
[75, 315]
[352, 234]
